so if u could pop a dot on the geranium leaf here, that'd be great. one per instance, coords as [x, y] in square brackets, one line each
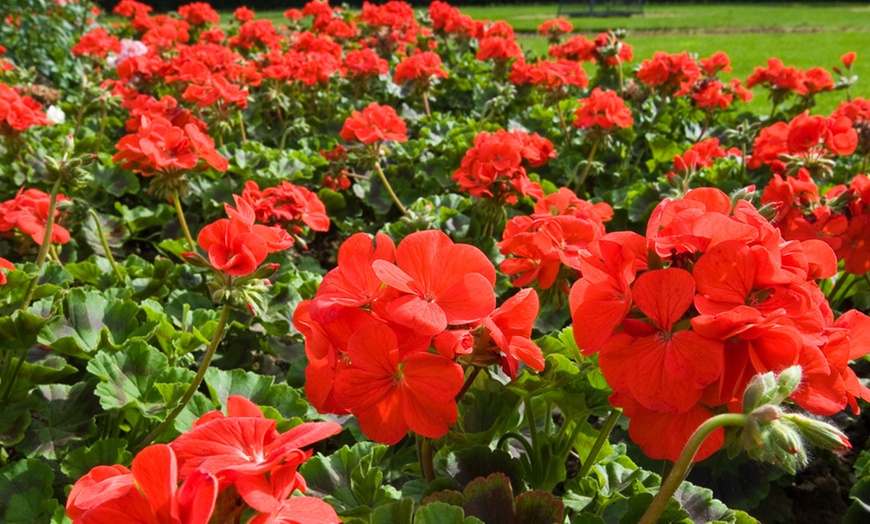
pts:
[66, 415]
[330, 477]
[469, 463]
[25, 478]
[490, 499]
[128, 377]
[538, 507]
[398, 512]
[442, 513]
[105, 452]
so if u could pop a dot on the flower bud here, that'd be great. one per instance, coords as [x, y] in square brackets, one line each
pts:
[195, 259]
[819, 433]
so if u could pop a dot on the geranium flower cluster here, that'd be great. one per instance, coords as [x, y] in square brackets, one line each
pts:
[550, 76]
[385, 330]
[554, 29]
[701, 155]
[375, 124]
[238, 245]
[683, 318]
[606, 49]
[783, 81]
[559, 229]
[27, 213]
[288, 205]
[421, 68]
[840, 217]
[18, 113]
[97, 43]
[224, 464]
[493, 168]
[159, 147]
[805, 142]
[601, 111]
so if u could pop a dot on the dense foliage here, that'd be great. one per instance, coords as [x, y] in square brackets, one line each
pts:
[386, 266]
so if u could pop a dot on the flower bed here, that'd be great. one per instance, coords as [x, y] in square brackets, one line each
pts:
[385, 266]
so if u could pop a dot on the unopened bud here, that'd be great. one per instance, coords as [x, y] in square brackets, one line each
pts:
[195, 259]
[69, 145]
[770, 389]
[819, 433]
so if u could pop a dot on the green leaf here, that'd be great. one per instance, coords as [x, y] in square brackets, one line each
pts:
[128, 378]
[346, 479]
[106, 452]
[66, 415]
[490, 499]
[699, 503]
[21, 477]
[442, 513]
[538, 507]
[469, 463]
[49, 370]
[398, 512]
[13, 423]
[90, 321]
[19, 331]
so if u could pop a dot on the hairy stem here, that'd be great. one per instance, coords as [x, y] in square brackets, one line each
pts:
[389, 188]
[599, 442]
[105, 245]
[197, 380]
[684, 463]
[176, 201]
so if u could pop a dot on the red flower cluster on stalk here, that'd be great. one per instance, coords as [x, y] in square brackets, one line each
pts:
[671, 75]
[287, 205]
[782, 80]
[374, 124]
[602, 111]
[549, 76]
[225, 463]
[237, 245]
[732, 299]
[701, 155]
[98, 43]
[840, 217]
[28, 214]
[555, 28]
[558, 231]
[18, 113]
[805, 142]
[158, 146]
[606, 49]
[494, 168]
[421, 68]
[371, 328]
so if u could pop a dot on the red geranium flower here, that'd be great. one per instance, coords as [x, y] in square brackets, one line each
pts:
[440, 283]
[375, 124]
[604, 110]
[391, 393]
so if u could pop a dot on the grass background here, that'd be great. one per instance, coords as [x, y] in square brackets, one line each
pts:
[802, 35]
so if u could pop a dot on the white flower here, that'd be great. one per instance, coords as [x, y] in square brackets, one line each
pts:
[129, 48]
[56, 115]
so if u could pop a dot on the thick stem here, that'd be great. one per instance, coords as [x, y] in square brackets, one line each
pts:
[105, 245]
[176, 201]
[46, 242]
[242, 127]
[599, 442]
[389, 188]
[681, 466]
[468, 382]
[103, 116]
[562, 121]
[586, 168]
[197, 380]
[427, 453]
[426, 103]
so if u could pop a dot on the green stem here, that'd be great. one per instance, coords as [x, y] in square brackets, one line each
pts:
[586, 168]
[102, 128]
[242, 127]
[106, 245]
[426, 104]
[388, 186]
[533, 431]
[681, 466]
[562, 122]
[468, 382]
[46, 242]
[426, 455]
[599, 442]
[197, 380]
[176, 201]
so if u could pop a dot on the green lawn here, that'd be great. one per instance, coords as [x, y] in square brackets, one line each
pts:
[789, 18]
